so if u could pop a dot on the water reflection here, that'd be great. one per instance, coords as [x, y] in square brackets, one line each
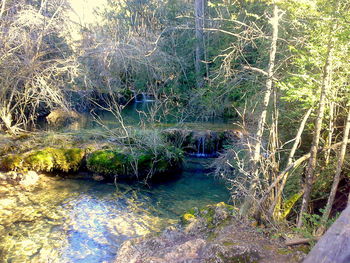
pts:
[86, 221]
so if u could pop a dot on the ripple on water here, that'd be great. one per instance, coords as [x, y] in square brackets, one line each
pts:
[86, 221]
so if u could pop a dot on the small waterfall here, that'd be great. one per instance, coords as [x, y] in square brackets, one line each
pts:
[148, 98]
[137, 98]
[143, 97]
[202, 151]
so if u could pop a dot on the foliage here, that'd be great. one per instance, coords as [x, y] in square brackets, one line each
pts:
[312, 222]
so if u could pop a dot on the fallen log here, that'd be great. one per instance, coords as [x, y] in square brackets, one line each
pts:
[334, 245]
[299, 241]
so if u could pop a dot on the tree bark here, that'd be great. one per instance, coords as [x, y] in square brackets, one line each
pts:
[2, 10]
[290, 160]
[309, 177]
[336, 179]
[334, 245]
[262, 119]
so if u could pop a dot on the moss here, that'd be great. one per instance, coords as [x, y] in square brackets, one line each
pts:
[109, 162]
[284, 251]
[245, 258]
[50, 159]
[209, 213]
[187, 218]
[11, 162]
[46, 160]
[230, 243]
[43, 160]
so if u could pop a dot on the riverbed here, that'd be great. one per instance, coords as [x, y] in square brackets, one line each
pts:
[80, 220]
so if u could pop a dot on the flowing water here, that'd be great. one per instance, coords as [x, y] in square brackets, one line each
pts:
[72, 220]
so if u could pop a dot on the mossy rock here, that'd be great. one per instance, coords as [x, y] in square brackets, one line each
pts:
[109, 162]
[46, 160]
[50, 159]
[124, 163]
[11, 162]
[213, 215]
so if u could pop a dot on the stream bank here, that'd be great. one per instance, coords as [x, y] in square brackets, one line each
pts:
[214, 233]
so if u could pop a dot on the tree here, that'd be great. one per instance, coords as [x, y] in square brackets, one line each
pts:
[265, 103]
[35, 62]
[199, 11]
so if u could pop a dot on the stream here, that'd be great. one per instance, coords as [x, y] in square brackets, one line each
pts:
[84, 221]
[76, 220]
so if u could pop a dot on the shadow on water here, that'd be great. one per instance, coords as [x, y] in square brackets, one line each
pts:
[67, 220]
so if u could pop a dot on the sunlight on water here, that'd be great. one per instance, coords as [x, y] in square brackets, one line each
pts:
[66, 220]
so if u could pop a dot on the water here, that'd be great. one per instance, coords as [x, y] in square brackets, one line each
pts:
[83, 221]
[141, 114]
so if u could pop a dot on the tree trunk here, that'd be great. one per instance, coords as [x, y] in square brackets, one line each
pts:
[2, 10]
[309, 177]
[337, 174]
[262, 119]
[330, 130]
[293, 165]
[199, 9]
[290, 160]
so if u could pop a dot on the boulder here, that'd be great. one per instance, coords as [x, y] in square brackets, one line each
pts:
[124, 164]
[62, 117]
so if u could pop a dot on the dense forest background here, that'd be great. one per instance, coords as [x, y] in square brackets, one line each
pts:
[279, 68]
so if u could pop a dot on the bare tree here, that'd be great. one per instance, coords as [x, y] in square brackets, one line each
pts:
[309, 177]
[199, 10]
[257, 144]
[336, 178]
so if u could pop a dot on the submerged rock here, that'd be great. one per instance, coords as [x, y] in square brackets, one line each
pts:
[212, 234]
[25, 179]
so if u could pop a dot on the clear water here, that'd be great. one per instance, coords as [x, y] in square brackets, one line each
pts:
[83, 221]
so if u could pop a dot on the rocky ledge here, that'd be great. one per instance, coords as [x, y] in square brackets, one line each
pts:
[212, 234]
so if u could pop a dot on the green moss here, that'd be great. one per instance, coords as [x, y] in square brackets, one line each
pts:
[50, 159]
[245, 258]
[284, 251]
[11, 162]
[46, 160]
[43, 160]
[187, 218]
[230, 243]
[109, 162]
[155, 161]
[208, 214]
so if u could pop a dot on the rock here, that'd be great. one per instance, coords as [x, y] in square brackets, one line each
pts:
[122, 163]
[97, 177]
[25, 179]
[45, 160]
[30, 178]
[211, 234]
[62, 117]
